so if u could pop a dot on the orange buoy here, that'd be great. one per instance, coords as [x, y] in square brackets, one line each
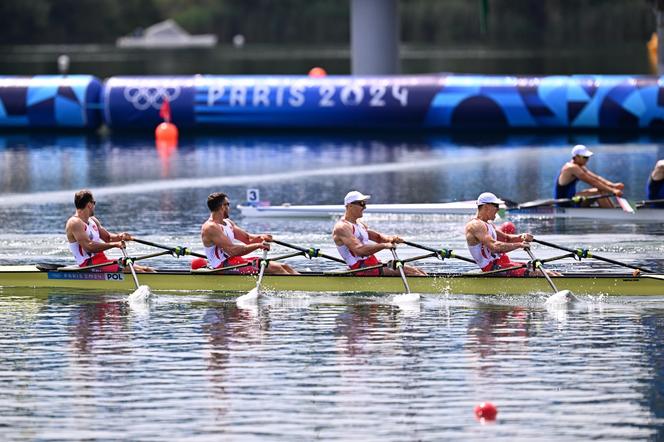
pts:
[486, 411]
[317, 71]
[166, 133]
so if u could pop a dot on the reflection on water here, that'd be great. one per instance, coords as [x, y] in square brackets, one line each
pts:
[315, 169]
[331, 368]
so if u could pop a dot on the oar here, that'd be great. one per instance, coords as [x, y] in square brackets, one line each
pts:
[440, 253]
[142, 292]
[559, 296]
[177, 251]
[624, 204]
[310, 252]
[581, 253]
[252, 295]
[408, 296]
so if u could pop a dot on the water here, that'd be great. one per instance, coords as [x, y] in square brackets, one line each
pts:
[105, 61]
[303, 366]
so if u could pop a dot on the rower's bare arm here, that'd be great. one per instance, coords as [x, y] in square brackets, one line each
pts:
[214, 234]
[477, 232]
[111, 237]
[343, 234]
[605, 181]
[76, 230]
[505, 237]
[594, 180]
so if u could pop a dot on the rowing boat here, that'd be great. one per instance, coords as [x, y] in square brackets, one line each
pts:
[465, 208]
[442, 283]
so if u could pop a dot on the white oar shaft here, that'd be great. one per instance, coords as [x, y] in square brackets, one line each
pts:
[263, 265]
[131, 267]
[546, 275]
[399, 265]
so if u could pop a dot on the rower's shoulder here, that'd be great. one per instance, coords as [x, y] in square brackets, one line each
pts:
[474, 224]
[341, 225]
[73, 221]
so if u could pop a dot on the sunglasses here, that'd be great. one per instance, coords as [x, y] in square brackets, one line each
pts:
[360, 203]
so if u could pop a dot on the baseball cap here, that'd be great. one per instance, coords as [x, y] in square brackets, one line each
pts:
[582, 150]
[488, 198]
[353, 196]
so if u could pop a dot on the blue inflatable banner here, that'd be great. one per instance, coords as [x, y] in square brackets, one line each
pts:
[50, 101]
[391, 102]
[419, 102]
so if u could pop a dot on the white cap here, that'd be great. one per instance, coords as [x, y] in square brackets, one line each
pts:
[488, 198]
[353, 196]
[582, 150]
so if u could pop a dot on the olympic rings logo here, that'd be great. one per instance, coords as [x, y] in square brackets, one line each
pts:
[143, 98]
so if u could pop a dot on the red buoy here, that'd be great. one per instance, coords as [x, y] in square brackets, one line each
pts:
[317, 72]
[486, 411]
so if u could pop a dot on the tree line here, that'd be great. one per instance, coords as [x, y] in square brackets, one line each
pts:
[327, 22]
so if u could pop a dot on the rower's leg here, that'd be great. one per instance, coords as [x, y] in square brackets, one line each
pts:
[276, 268]
[413, 271]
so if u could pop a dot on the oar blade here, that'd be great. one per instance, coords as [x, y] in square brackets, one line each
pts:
[561, 298]
[141, 295]
[406, 298]
[624, 204]
[250, 297]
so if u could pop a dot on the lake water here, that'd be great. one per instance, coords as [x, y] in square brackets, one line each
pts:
[304, 366]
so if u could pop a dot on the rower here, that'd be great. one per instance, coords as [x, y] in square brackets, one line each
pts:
[357, 244]
[655, 190]
[489, 246]
[220, 238]
[575, 170]
[88, 239]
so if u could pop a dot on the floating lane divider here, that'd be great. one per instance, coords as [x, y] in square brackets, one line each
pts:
[430, 101]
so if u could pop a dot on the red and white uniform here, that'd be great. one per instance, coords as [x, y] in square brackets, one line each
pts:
[354, 261]
[488, 260]
[84, 258]
[481, 253]
[80, 254]
[215, 255]
[360, 233]
[217, 258]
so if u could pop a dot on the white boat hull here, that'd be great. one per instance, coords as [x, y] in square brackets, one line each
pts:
[465, 208]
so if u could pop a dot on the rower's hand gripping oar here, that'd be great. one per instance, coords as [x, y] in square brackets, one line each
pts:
[559, 296]
[142, 292]
[583, 253]
[408, 296]
[252, 295]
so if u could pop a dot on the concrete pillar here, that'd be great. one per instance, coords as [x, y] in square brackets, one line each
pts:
[374, 36]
